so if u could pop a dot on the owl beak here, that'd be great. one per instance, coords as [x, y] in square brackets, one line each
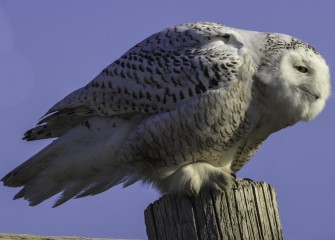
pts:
[309, 93]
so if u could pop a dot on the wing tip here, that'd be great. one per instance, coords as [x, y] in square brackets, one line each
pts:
[9, 180]
[20, 194]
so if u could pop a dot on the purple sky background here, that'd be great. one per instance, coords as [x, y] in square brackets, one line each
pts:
[50, 48]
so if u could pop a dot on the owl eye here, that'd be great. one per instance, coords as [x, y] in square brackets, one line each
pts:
[301, 69]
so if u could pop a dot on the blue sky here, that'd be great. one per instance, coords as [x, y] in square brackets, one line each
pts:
[50, 48]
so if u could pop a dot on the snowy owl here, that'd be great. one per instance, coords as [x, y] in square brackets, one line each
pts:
[182, 110]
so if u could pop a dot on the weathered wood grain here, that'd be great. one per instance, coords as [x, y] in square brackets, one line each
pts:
[248, 212]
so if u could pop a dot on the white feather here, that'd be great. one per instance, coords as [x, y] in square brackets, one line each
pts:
[181, 110]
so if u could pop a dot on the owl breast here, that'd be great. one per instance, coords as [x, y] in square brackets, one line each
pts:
[211, 128]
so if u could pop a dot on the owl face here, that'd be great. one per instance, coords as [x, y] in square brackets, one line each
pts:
[306, 80]
[296, 81]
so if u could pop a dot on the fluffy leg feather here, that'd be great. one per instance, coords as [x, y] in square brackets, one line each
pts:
[192, 177]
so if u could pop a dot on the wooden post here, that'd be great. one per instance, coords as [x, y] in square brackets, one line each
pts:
[248, 212]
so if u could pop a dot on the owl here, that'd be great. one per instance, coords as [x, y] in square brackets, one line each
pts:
[182, 110]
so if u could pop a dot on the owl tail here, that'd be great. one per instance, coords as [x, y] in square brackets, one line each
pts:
[81, 162]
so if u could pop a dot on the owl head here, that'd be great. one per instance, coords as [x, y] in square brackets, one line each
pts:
[294, 76]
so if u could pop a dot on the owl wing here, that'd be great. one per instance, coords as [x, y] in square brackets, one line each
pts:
[156, 75]
[245, 153]
[160, 75]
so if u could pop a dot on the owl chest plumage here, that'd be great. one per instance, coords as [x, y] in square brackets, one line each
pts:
[211, 128]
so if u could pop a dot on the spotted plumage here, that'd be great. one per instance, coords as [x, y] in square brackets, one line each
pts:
[182, 110]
